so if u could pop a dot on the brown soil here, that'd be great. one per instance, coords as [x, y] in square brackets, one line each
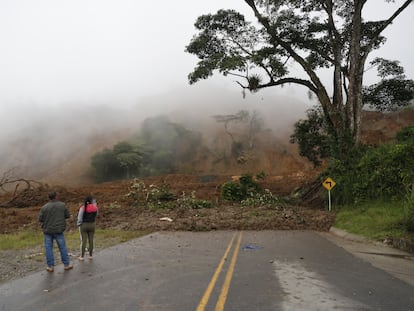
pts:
[119, 212]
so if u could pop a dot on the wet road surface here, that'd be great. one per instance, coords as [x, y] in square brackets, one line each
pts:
[243, 271]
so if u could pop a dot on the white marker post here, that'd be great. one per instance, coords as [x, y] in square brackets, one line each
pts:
[329, 183]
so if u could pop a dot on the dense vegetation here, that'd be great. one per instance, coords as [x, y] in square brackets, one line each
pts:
[384, 172]
[157, 149]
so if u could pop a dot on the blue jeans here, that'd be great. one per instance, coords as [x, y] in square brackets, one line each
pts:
[60, 240]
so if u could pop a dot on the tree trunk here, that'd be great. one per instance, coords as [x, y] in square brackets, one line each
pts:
[353, 106]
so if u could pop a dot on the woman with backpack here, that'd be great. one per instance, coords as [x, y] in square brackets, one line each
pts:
[86, 223]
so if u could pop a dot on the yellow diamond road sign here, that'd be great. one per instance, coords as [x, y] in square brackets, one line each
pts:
[329, 183]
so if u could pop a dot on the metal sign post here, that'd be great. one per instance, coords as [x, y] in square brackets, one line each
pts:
[329, 183]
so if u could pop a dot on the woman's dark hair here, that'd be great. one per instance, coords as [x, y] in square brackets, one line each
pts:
[88, 200]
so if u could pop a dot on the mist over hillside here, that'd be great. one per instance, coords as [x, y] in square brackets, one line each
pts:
[55, 142]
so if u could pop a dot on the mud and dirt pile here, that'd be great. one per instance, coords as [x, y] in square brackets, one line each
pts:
[117, 211]
[20, 210]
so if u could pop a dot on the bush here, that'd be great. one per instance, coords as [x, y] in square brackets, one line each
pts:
[192, 202]
[263, 199]
[140, 193]
[238, 191]
[406, 135]
[408, 220]
[160, 197]
[232, 191]
[379, 173]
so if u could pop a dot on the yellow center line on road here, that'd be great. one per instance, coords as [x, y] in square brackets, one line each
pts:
[226, 286]
[202, 305]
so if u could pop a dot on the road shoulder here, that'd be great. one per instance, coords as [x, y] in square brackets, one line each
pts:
[398, 263]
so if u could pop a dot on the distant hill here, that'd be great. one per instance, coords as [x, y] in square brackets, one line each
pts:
[58, 158]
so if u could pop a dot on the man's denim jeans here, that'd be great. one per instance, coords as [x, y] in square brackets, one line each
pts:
[60, 240]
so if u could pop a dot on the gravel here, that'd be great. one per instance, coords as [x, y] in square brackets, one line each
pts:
[15, 264]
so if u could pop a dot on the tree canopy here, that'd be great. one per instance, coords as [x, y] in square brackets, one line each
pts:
[314, 35]
[157, 148]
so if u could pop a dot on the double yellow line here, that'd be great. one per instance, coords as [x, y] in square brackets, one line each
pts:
[226, 285]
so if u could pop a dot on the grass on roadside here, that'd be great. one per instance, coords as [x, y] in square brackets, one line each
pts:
[103, 238]
[374, 220]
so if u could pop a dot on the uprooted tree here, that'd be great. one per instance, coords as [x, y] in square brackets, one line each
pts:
[314, 34]
[11, 179]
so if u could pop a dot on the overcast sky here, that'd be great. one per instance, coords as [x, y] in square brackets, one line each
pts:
[55, 51]
[73, 69]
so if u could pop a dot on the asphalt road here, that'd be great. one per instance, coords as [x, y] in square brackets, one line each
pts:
[243, 271]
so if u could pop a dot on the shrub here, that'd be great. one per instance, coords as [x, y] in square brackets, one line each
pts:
[232, 191]
[408, 220]
[380, 173]
[263, 199]
[406, 135]
[238, 191]
[140, 193]
[192, 202]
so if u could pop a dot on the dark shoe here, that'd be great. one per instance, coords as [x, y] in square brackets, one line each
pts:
[68, 267]
[50, 269]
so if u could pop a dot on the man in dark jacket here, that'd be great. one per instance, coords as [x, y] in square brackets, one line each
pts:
[53, 217]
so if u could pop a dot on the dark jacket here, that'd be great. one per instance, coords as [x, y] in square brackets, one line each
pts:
[53, 217]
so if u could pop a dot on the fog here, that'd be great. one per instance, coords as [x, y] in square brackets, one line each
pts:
[40, 139]
[80, 75]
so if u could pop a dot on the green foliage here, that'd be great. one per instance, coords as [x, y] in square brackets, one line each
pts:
[317, 140]
[214, 50]
[20, 240]
[408, 218]
[123, 161]
[160, 197]
[263, 199]
[406, 135]
[232, 191]
[312, 136]
[374, 219]
[28, 239]
[238, 191]
[158, 149]
[160, 193]
[381, 173]
[261, 175]
[191, 202]
[385, 172]
[389, 94]
[150, 195]
[128, 157]
[168, 145]
[137, 191]
[315, 37]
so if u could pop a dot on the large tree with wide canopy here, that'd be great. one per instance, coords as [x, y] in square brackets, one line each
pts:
[314, 35]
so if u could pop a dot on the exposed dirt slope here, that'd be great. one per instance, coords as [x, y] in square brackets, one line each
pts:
[119, 212]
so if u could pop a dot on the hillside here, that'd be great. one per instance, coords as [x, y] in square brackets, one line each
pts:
[272, 154]
[285, 170]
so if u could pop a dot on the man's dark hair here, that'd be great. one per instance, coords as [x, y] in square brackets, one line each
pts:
[52, 195]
